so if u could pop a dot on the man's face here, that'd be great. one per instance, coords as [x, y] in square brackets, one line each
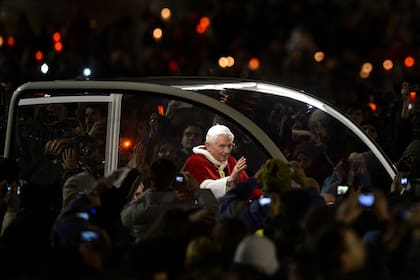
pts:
[192, 137]
[92, 115]
[221, 148]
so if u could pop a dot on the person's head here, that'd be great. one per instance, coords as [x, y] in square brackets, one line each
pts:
[258, 252]
[166, 148]
[276, 176]
[371, 130]
[191, 137]
[338, 249]
[162, 173]
[219, 142]
[94, 113]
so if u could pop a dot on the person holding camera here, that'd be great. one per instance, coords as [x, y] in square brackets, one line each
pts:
[162, 194]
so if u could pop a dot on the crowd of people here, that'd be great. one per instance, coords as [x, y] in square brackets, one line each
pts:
[197, 212]
[209, 219]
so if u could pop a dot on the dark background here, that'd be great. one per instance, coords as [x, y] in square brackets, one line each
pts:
[114, 39]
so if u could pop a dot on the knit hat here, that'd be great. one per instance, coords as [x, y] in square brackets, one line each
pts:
[276, 176]
[258, 252]
[82, 182]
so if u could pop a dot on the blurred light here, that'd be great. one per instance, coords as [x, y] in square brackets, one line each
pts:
[254, 64]
[56, 36]
[165, 14]
[409, 61]
[161, 110]
[200, 29]
[203, 25]
[222, 62]
[364, 75]
[367, 67]
[87, 72]
[413, 96]
[225, 62]
[205, 21]
[126, 144]
[388, 64]
[39, 55]
[10, 41]
[372, 106]
[58, 46]
[157, 34]
[44, 68]
[230, 61]
[319, 56]
[173, 66]
[1, 41]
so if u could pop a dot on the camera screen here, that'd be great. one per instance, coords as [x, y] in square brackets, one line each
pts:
[180, 179]
[341, 190]
[366, 199]
[404, 181]
[264, 200]
[89, 235]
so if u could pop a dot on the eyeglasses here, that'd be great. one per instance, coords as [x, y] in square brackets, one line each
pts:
[230, 146]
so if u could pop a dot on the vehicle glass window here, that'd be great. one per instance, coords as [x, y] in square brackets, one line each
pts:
[55, 138]
[152, 127]
[307, 134]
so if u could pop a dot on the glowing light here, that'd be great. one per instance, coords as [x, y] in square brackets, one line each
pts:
[413, 96]
[388, 64]
[161, 110]
[367, 67]
[254, 64]
[409, 61]
[364, 75]
[58, 46]
[230, 61]
[157, 34]
[173, 66]
[319, 56]
[44, 68]
[10, 41]
[372, 106]
[39, 55]
[87, 72]
[225, 62]
[165, 14]
[126, 144]
[56, 36]
[203, 25]
[1, 41]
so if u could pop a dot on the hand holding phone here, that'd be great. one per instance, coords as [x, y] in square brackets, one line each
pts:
[264, 200]
[366, 199]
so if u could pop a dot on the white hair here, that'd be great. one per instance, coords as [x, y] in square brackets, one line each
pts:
[217, 130]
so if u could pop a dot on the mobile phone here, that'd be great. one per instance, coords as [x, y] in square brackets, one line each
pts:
[180, 179]
[18, 190]
[83, 215]
[89, 235]
[342, 189]
[264, 200]
[366, 199]
[404, 181]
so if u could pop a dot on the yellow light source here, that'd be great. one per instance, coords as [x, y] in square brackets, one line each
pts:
[165, 14]
[157, 34]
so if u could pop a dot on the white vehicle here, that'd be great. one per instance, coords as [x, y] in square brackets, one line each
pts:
[268, 120]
